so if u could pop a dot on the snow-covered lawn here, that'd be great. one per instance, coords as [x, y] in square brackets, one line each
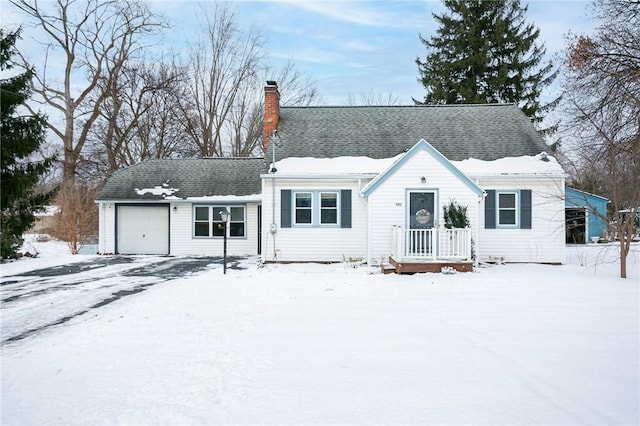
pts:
[329, 344]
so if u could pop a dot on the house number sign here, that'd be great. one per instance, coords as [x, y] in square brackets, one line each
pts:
[423, 216]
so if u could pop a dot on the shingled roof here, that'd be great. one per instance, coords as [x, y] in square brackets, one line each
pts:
[484, 132]
[190, 177]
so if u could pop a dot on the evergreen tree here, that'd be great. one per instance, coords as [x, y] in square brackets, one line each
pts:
[485, 52]
[21, 136]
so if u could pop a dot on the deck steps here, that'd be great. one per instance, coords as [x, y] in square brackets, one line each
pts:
[408, 267]
[387, 268]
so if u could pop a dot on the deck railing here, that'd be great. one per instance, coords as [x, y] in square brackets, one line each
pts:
[433, 244]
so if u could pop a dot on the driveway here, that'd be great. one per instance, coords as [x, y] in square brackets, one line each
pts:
[37, 300]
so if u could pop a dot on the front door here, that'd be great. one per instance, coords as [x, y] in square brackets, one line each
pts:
[421, 217]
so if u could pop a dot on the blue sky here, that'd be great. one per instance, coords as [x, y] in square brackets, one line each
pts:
[353, 48]
[361, 47]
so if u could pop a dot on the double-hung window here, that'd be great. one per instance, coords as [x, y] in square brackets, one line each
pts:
[208, 222]
[304, 208]
[328, 208]
[315, 208]
[507, 209]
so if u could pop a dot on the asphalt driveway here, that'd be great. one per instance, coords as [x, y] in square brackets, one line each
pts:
[37, 300]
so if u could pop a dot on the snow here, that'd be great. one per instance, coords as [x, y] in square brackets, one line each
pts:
[47, 211]
[525, 165]
[332, 344]
[163, 190]
[541, 164]
[226, 198]
[334, 166]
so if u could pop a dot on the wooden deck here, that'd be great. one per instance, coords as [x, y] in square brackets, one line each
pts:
[408, 267]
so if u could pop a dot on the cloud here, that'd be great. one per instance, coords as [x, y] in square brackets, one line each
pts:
[370, 14]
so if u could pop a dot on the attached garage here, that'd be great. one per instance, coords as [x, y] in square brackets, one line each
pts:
[142, 229]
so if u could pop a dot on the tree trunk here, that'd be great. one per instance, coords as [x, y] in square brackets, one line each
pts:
[623, 258]
[70, 163]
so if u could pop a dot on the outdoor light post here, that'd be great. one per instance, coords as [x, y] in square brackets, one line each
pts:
[225, 218]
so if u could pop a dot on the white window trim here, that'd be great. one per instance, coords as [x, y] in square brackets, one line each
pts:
[316, 208]
[516, 208]
[295, 208]
[336, 208]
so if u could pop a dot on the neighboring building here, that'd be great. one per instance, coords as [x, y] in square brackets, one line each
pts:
[585, 216]
[45, 220]
[353, 182]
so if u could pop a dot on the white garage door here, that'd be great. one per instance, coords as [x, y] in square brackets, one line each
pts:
[143, 230]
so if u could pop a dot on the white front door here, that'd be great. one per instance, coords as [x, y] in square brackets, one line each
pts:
[143, 230]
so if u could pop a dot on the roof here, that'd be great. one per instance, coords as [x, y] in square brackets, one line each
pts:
[422, 145]
[185, 178]
[486, 132]
[576, 198]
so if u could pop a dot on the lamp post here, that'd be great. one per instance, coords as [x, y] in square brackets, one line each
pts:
[225, 214]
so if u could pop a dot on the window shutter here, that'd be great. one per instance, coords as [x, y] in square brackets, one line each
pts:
[525, 209]
[345, 208]
[285, 208]
[490, 209]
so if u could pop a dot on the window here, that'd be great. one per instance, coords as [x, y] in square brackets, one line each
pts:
[315, 208]
[507, 202]
[202, 225]
[328, 208]
[508, 209]
[303, 208]
[208, 222]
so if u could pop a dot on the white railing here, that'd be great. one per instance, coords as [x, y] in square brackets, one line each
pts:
[431, 244]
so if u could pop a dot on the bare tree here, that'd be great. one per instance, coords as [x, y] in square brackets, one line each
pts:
[91, 40]
[222, 106]
[221, 64]
[603, 98]
[77, 218]
[137, 120]
[373, 98]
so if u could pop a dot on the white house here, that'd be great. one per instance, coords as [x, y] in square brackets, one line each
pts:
[366, 183]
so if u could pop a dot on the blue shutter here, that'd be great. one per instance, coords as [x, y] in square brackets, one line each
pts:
[285, 208]
[490, 209]
[345, 208]
[525, 209]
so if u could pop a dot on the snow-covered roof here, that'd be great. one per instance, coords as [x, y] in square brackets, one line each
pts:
[334, 166]
[541, 164]
[524, 165]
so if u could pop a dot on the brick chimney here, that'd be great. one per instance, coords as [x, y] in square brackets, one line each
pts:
[271, 111]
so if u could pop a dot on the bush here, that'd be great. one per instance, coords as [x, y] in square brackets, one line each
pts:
[455, 216]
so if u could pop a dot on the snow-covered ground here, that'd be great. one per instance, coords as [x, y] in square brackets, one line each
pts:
[329, 344]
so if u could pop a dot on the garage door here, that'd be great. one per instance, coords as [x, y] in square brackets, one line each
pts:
[143, 230]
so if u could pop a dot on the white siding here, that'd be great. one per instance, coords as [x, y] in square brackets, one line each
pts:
[388, 203]
[312, 244]
[182, 241]
[544, 242]
[107, 229]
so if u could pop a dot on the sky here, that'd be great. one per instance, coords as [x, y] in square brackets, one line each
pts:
[354, 48]
[370, 47]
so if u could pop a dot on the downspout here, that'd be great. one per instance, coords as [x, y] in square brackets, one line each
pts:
[273, 227]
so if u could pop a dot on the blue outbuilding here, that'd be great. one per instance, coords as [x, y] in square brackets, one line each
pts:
[585, 216]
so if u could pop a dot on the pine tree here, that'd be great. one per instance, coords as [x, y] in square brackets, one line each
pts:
[485, 52]
[21, 136]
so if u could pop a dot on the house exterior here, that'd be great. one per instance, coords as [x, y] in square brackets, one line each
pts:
[367, 183]
[585, 216]
[169, 206]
